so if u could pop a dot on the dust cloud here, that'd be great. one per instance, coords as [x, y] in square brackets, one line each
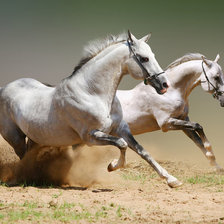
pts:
[83, 167]
[62, 167]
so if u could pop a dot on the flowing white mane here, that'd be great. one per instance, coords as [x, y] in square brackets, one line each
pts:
[185, 58]
[95, 47]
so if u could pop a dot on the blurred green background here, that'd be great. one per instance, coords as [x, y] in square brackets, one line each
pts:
[44, 40]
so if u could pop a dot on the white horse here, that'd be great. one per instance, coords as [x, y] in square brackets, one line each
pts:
[146, 111]
[79, 110]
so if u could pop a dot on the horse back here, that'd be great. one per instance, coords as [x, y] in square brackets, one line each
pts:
[25, 98]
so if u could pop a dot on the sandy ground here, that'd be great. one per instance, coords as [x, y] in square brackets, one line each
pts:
[64, 183]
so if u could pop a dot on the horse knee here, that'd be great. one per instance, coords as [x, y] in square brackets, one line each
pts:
[122, 143]
[198, 127]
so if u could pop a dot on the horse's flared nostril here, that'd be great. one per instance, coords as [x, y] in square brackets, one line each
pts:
[165, 85]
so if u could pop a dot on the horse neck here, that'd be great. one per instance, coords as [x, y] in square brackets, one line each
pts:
[185, 77]
[102, 74]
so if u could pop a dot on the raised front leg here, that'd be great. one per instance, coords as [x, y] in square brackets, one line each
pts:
[177, 124]
[101, 138]
[196, 133]
[124, 131]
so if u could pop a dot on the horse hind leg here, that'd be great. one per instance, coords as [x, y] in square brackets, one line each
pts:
[195, 132]
[16, 138]
[205, 147]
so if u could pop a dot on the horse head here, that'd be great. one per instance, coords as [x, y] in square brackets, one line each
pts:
[142, 63]
[212, 80]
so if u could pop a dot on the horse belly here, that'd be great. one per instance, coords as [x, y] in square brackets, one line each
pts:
[47, 129]
[143, 125]
[54, 136]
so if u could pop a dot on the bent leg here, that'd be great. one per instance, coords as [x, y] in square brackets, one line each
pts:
[101, 138]
[117, 163]
[196, 133]
[207, 152]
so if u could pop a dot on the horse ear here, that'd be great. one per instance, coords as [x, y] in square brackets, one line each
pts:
[131, 37]
[146, 38]
[217, 58]
[207, 62]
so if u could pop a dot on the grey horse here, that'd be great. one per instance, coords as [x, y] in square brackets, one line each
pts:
[146, 111]
[79, 110]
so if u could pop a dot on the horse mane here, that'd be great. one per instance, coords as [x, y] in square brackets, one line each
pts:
[95, 47]
[185, 58]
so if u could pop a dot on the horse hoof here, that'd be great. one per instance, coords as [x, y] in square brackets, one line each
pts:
[113, 165]
[110, 168]
[175, 184]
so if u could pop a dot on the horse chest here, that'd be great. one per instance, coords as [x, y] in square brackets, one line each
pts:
[173, 102]
[180, 110]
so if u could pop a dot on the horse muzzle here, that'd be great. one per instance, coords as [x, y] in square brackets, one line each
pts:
[219, 95]
[160, 86]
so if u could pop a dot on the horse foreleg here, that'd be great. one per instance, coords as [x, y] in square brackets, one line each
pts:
[101, 138]
[206, 145]
[196, 133]
[117, 163]
[207, 152]
[125, 133]
[177, 124]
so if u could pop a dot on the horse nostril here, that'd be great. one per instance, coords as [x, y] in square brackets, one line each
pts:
[165, 85]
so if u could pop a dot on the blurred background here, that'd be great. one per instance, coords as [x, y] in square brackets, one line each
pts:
[44, 40]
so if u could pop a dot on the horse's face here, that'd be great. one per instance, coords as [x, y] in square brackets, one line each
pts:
[215, 82]
[142, 64]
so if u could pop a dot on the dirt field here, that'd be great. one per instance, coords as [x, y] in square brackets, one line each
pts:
[75, 187]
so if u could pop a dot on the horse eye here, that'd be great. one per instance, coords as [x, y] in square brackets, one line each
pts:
[144, 59]
[217, 78]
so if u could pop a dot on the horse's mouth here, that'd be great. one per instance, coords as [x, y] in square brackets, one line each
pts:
[162, 91]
